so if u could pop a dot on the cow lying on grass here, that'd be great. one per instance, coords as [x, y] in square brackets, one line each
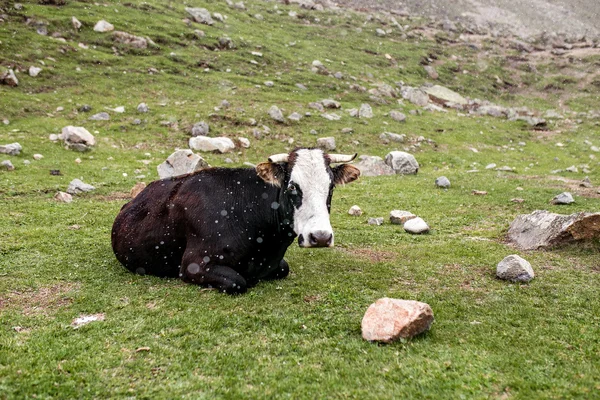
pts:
[229, 228]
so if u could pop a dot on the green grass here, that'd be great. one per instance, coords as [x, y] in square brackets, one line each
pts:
[299, 337]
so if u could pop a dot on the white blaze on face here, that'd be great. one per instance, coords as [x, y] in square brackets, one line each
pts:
[310, 175]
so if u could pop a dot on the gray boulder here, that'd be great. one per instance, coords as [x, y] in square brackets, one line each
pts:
[103, 116]
[326, 143]
[402, 163]
[200, 129]
[13, 149]
[375, 221]
[515, 269]
[103, 26]
[415, 96]
[563, 198]
[276, 114]
[392, 137]
[200, 15]
[399, 217]
[416, 225]
[181, 162]
[7, 165]
[442, 182]
[543, 229]
[444, 95]
[365, 111]
[77, 186]
[329, 103]
[9, 78]
[127, 39]
[373, 166]
[397, 116]
[77, 138]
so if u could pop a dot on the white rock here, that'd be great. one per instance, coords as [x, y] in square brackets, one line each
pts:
[355, 211]
[397, 116]
[365, 111]
[392, 137]
[245, 143]
[329, 103]
[388, 320]
[63, 197]
[103, 26]
[399, 217]
[142, 108]
[276, 114]
[13, 149]
[331, 116]
[103, 116]
[563, 198]
[416, 225]
[34, 71]
[205, 143]
[515, 269]
[9, 78]
[76, 23]
[375, 221]
[200, 15]
[295, 117]
[77, 134]
[37, 157]
[181, 162]
[77, 186]
[6, 164]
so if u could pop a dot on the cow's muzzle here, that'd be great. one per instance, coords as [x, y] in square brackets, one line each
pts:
[316, 239]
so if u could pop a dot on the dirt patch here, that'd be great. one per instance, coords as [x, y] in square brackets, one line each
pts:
[42, 301]
[369, 254]
[571, 185]
[115, 196]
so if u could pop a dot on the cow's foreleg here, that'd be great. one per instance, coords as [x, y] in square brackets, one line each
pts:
[282, 270]
[221, 277]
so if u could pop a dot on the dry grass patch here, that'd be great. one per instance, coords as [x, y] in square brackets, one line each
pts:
[42, 301]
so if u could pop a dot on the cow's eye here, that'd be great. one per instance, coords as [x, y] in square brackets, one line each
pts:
[292, 189]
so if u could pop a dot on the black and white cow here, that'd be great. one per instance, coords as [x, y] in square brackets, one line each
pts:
[229, 228]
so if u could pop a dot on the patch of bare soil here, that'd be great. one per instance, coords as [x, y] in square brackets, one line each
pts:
[42, 301]
[571, 185]
[115, 196]
[369, 254]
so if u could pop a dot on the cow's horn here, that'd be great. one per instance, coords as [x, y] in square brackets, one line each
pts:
[279, 158]
[342, 158]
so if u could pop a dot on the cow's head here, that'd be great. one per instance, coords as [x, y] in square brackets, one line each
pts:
[307, 179]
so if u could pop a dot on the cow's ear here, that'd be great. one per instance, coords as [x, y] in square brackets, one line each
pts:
[345, 173]
[272, 173]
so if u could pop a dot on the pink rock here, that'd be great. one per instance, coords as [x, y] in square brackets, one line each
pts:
[387, 320]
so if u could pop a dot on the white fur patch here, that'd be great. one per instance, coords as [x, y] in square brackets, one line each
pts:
[310, 175]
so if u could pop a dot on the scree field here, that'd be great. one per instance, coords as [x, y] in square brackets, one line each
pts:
[299, 337]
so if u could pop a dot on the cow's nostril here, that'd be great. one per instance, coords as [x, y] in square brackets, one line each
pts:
[320, 239]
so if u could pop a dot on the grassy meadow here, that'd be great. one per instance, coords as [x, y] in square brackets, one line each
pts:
[299, 337]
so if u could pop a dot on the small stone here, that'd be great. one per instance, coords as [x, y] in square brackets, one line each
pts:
[295, 117]
[329, 103]
[34, 71]
[269, 83]
[127, 39]
[76, 23]
[416, 225]
[431, 72]
[200, 15]
[365, 111]
[63, 197]
[136, 121]
[392, 137]
[572, 168]
[200, 129]
[347, 130]
[76, 135]
[442, 182]
[103, 116]
[584, 183]
[205, 143]
[490, 166]
[142, 108]
[515, 269]
[338, 75]
[397, 116]
[245, 143]
[37, 157]
[399, 217]
[7, 165]
[331, 116]
[388, 320]
[479, 192]
[13, 149]
[77, 186]
[9, 78]
[355, 211]
[276, 114]
[136, 189]
[103, 26]
[375, 221]
[563, 198]
[379, 32]
[326, 143]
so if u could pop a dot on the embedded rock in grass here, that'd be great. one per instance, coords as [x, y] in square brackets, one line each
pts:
[355, 211]
[563, 198]
[7, 165]
[13, 149]
[397, 116]
[399, 217]
[276, 114]
[416, 225]
[205, 143]
[130, 40]
[329, 103]
[295, 117]
[181, 162]
[543, 229]
[200, 129]
[9, 78]
[77, 138]
[415, 96]
[388, 320]
[431, 72]
[76, 23]
[76, 186]
[444, 95]
[373, 166]
[402, 163]
[442, 182]
[37, 157]
[326, 143]
[365, 111]
[245, 143]
[103, 116]
[375, 221]
[103, 26]
[392, 137]
[63, 197]
[136, 189]
[142, 108]
[200, 15]
[331, 117]
[379, 32]
[515, 269]
[34, 71]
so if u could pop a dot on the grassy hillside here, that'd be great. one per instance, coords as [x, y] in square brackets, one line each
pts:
[299, 337]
